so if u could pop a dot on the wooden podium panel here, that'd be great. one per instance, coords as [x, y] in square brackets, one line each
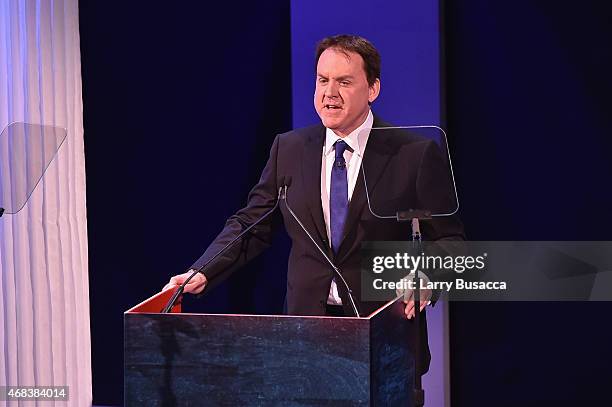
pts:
[260, 360]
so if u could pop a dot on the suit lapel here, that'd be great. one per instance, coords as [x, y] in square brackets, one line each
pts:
[375, 160]
[311, 171]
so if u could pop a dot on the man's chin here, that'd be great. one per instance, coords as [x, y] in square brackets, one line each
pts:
[330, 123]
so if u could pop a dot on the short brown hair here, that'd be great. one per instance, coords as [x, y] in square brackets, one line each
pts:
[352, 43]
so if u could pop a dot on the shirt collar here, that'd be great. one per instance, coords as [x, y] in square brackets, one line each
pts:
[356, 140]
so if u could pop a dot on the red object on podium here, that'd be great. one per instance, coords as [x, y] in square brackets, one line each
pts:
[156, 303]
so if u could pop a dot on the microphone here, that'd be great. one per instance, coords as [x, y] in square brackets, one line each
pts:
[181, 288]
[283, 196]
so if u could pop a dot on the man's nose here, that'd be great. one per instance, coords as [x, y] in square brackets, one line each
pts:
[331, 90]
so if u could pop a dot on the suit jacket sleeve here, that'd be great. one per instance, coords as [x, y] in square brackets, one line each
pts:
[436, 192]
[261, 199]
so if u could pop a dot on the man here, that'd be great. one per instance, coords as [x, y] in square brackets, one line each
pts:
[327, 192]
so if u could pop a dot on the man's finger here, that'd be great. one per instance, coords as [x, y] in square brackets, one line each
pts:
[409, 309]
[408, 296]
[196, 287]
[193, 285]
[173, 283]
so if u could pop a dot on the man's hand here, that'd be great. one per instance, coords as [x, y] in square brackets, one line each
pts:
[425, 295]
[408, 294]
[195, 285]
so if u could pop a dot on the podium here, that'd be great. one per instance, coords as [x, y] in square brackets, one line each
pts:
[181, 359]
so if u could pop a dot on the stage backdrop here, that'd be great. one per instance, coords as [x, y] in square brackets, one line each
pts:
[44, 306]
[407, 34]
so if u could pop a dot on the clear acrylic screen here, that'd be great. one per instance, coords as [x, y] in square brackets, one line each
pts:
[423, 154]
[26, 150]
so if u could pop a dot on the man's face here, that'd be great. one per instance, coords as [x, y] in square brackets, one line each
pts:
[342, 92]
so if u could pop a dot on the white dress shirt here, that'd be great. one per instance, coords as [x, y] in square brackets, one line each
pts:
[357, 141]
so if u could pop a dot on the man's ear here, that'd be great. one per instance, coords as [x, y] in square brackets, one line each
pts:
[374, 91]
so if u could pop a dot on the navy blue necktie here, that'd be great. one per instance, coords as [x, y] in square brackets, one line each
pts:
[338, 197]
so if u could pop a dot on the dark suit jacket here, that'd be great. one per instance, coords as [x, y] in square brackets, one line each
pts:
[403, 171]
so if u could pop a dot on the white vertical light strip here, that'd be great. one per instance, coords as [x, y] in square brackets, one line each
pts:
[44, 305]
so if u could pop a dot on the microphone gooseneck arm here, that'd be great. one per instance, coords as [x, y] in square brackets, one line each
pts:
[181, 288]
[283, 196]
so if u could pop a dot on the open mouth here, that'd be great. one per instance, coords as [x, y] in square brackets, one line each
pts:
[332, 107]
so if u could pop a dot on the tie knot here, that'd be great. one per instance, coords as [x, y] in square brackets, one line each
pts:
[340, 147]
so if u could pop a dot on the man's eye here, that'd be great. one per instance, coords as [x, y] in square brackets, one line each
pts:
[322, 80]
[345, 83]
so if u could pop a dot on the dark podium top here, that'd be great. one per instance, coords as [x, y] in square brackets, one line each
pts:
[183, 359]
